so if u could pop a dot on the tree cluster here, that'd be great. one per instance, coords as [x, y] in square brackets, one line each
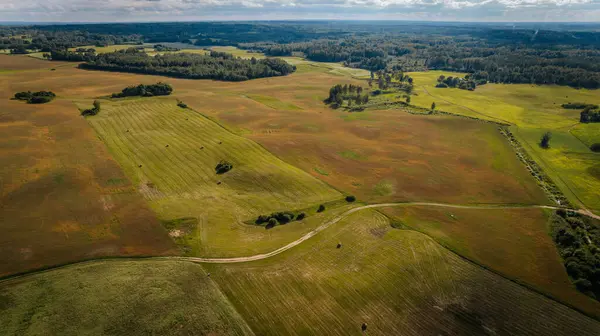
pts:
[162, 47]
[158, 89]
[276, 218]
[40, 97]
[456, 82]
[577, 238]
[216, 65]
[578, 106]
[92, 111]
[351, 93]
[223, 167]
[589, 115]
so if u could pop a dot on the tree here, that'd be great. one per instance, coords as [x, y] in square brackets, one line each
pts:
[545, 141]
[408, 99]
[321, 208]
[97, 106]
[433, 106]
[350, 198]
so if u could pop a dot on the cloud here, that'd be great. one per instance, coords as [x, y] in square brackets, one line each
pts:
[174, 10]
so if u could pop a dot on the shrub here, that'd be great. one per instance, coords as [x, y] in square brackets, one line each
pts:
[321, 208]
[223, 167]
[39, 100]
[562, 213]
[595, 147]
[350, 198]
[93, 111]
[441, 85]
[300, 216]
[181, 104]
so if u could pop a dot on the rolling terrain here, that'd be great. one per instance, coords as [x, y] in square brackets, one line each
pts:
[156, 161]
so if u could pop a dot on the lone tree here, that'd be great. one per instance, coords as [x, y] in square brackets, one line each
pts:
[545, 141]
[433, 106]
[321, 208]
[350, 198]
[223, 167]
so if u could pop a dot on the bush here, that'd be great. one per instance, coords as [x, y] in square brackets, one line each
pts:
[223, 167]
[441, 85]
[595, 147]
[93, 111]
[181, 104]
[350, 198]
[300, 216]
[282, 217]
[39, 100]
[545, 140]
[321, 208]
[562, 213]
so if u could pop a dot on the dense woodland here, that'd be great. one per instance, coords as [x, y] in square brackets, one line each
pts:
[563, 54]
[216, 65]
[577, 238]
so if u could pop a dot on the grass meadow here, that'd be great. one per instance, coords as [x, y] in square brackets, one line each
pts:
[119, 298]
[399, 282]
[533, 110]
[513, 242]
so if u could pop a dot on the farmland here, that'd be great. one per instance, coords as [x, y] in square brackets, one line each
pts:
[397, 281]
[119, 298]
[155, 163]
[63, 197]
[514, 242]
[532, 110]
[171, 153]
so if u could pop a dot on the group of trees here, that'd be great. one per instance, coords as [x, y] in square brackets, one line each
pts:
[276, 218]
[40, 97]
[216, 65]
[350, 93]
[577, 238]
[92, 111]
[158, 89]
[466, 83]
[162, 47]
[391, 79]
[589, 115]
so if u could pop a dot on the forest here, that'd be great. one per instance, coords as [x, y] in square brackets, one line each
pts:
[567, 54]
[215, 65]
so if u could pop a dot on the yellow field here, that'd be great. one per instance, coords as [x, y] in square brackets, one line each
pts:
[532, 110]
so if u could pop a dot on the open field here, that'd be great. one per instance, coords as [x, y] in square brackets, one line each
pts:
[63, 198]
[514, 242]
[178, 150]
[118, 298]
[397, 281]
[532, 110]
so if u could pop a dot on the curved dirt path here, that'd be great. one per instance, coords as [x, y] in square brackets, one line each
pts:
[353, 210]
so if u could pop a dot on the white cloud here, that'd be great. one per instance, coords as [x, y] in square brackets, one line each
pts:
[164, 10]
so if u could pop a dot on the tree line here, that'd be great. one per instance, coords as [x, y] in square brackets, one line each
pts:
[158, 89]
[216, 65]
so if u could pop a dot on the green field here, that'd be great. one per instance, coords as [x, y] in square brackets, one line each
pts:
[179, 181]
[118, 298]
[532, 110]
[514, 242]
[397, 281]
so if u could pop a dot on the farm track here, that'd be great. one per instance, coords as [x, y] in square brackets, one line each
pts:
[308, 235]
[369, 206]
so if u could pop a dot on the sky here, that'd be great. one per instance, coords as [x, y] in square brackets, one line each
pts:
[202, 10]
